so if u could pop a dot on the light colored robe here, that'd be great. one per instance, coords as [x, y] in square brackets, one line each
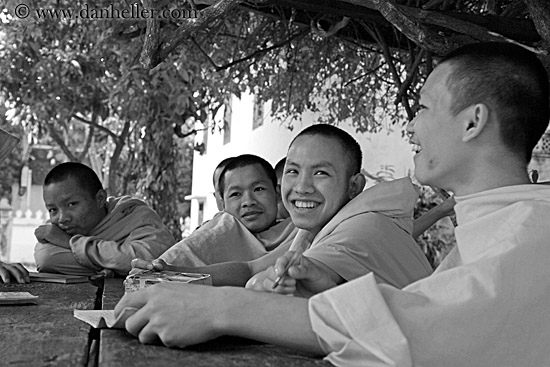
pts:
[486, 304]
[131, 229]
[370, 233]
[225, 238]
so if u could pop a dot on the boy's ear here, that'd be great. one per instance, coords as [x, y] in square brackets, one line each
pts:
[101, 198]
[356, 185]
[220, 203]
[476, 118]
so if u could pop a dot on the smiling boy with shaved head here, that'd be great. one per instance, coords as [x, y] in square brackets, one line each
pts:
[353, 232]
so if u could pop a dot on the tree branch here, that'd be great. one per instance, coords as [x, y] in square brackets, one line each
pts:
[389, 60]
[540, 14]
[215, 11]
[204, 53]
[410, 77]
[472, 30]
[263, 51]
[387, 12]
[119, 145]
[417, 33]
[371, 71]
[316, 28]
[149, 52]
[89, 139]
[55, 136]
[95, 124]
[181, 134]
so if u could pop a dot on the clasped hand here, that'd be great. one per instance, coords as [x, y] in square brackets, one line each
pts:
[304, 279]
[175, 314]
[52, 234]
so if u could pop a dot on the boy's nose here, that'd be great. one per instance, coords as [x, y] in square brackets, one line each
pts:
[304, 185]
[63, 218]
[248, 199]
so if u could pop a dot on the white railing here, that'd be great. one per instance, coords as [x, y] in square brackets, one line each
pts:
[17, 234]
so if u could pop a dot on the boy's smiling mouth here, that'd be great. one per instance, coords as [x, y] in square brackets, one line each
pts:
[301, 204]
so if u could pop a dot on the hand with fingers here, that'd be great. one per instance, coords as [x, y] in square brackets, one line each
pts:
[265, 281]
[304, 279]
[177, 315]
[13, 271]
[139, 265]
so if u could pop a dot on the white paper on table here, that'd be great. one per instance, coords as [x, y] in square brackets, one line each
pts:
[104, 319]
[17, 298]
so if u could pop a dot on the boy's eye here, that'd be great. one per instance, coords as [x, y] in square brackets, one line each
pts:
[259, 188]
[234, 194]
[52, 210]
[291, 171]
[321, 173]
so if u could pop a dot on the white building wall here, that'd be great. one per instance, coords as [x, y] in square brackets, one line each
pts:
[271, 141]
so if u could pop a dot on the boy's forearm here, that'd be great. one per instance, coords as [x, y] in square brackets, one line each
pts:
[235, 273]
[223, 274]
[270, 318]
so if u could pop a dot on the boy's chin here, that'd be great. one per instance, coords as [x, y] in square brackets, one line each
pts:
[259, 227]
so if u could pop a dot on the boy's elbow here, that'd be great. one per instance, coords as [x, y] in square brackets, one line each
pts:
[54, 259]
[43, 258]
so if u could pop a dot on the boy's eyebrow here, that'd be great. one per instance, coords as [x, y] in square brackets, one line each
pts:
[232, 187]
[65, 199]
[263, 182]
[316, 165]
[259, 182]
[323, 164]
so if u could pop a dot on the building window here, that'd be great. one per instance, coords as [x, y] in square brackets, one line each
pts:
[227, 121]
[258, 115]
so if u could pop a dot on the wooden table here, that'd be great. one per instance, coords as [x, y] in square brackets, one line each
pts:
[119, 348]
[46, 334]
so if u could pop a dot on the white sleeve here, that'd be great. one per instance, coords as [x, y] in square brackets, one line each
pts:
[356, 328]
